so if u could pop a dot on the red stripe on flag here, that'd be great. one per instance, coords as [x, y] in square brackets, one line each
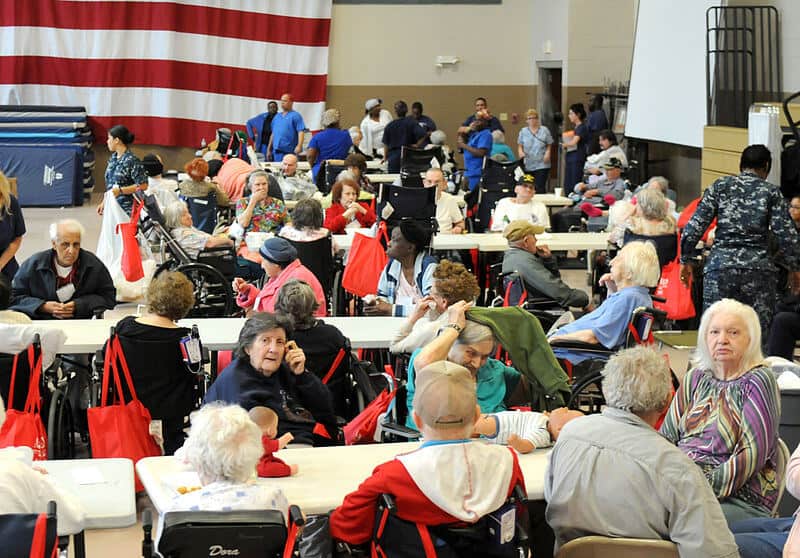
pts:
[161, 131]
[165, 74]
[166, 16]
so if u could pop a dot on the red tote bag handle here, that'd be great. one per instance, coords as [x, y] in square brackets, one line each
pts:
[33, 401]
[115, 359]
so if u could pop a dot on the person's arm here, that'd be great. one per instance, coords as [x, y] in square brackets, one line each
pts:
[438, 349]
[758, 433]
[269, 145]
[246, 296]
[10, 251]
[301, 136]
[217, 241]
[535, 273]
[103, 296]
[248, 207]
[311, 155]
[22, 299]
[583, 335]
[697, 225]
[670, 428]
[367, 217]
[316, 397]
[354, 521]
[521, 144]
[334, 219]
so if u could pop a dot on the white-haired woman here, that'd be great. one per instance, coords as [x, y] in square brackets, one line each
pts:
[500, 150]
[259, 212]
[633, 272]
[224, 446]
[725, 414]
[650, 221]
[178, 221]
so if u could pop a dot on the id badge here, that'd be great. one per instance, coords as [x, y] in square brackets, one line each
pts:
[190, 346]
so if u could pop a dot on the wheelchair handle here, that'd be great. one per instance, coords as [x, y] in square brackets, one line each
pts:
[296, 516]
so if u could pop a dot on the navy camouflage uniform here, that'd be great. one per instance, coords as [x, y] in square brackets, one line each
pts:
[739, 266]
[123, 171]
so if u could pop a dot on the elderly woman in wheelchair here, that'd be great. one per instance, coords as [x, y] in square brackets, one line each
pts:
[449, 481]
[633, 272]
[178, 221]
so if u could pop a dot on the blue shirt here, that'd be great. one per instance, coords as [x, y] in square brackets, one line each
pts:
[609, 322]
[331, 143]
[472, 163]
[285, 127]
[495, 380]
[535, 146]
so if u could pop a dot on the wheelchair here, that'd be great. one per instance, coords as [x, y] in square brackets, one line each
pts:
[400, 538]
[213, 292]
[498, 181]
[418, 160]
[245, 534]
[318, 257]
[20, 531]
[203, 211]
[326, 176]
[511, 290]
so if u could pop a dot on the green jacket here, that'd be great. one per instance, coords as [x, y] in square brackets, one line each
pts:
[522, 336]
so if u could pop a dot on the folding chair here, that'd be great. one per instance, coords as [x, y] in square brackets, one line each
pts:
[418, 204]
[497, 182]
[606, 547]
[417, 160]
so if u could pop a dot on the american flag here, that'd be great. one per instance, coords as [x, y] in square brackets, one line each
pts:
[172, 72]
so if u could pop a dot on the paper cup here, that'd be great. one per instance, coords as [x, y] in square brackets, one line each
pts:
[558, 192]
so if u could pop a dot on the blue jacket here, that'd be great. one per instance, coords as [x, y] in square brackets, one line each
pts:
[255, 128]
[35, 283]
[242, 385]
[424, 266]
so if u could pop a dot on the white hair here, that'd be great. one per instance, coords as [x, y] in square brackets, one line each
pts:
[653, 204]
[438, 137]
[224, 444]
[498, 136]
[473, 333]
[640, 261]
[173, 213]
[752, 357]
[663, 183]
[69, 224]
[346, 174]
[637, 380]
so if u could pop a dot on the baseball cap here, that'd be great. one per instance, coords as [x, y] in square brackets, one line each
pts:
[372, 103]
[527, 180]
[613, 163]
[519, 229]
[445, 396]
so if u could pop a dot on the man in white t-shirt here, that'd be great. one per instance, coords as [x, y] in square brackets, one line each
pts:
[521, 207]
[448, 214]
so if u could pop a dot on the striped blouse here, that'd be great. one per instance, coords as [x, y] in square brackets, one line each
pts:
[730, 429]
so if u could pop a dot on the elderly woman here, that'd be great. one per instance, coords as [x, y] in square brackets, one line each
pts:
[152, 348]
[306, 224]
[320, 342]
[280, 263]
[346, 211]
[649, 220]
[534, 145]
[259, 212]
[469, 344]
[408, 275]
[725, 415]
[331, 143]
[500, 149]
[224, 446]
[520, 207]
[197, 186]
[270, 371]
[633, 271]
[452, 282]
[178, 221]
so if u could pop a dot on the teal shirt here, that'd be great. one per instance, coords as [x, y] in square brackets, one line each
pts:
[495, 381]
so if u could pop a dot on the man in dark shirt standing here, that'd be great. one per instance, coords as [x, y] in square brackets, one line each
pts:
[403, 130]
[480, 105]
[427, 123]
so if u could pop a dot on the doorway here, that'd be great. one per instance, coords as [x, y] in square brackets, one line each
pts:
[550, 108]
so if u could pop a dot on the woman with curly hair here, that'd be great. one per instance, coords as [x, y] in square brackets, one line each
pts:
[152, 348]
[451, 282]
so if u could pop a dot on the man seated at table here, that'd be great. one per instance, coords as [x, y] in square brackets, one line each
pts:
[613, 474]
[448, 213]
[469, 344]
[449, 478]
[65, 281]
[537, 267]
[590, 200]
[25, 489]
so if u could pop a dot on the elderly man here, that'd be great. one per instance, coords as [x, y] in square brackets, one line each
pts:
[537, 267]
[288, 131]
[628, 480]
[294, 184]
[450, 478]
[448, 213]
[587, 197]
[401, 132]
[469, 344]
[65, 281]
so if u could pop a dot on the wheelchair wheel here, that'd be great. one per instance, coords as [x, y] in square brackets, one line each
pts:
[60, 427]
[587, 395]
[337, 295]
[213, 294]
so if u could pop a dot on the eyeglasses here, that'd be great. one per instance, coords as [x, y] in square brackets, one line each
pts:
[794, 207]
[532, 118]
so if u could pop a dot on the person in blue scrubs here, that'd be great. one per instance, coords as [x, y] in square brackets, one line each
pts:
[478, 146]
[288, 131]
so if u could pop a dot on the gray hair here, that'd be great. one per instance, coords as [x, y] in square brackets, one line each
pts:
[296, 299]
[641, 263]
[752, 357]
[652, 204]
[173, 213]
[255, 326]
[69, 224]
[637, 380]
[498, 136]
[473, 333]
[223, 444]
[438, 137]
[253, 175]
[346, 175]
[661, 182]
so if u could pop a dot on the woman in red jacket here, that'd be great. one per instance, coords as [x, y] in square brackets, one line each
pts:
[346, 211]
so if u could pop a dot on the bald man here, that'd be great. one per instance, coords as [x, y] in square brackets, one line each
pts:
[288, 131]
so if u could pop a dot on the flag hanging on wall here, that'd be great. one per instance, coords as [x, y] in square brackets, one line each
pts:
[172, 72]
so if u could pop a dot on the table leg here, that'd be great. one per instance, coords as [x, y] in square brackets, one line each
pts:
[79, 544]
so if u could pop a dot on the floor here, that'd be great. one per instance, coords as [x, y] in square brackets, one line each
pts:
[127, 542]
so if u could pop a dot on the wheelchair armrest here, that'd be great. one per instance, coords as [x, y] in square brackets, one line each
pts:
[582, 346]
[399, 430]
[296, 516]
[387, 501]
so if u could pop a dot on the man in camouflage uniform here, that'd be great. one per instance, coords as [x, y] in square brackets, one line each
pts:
[747, 208]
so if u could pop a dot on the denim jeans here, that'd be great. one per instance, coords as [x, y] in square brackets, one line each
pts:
[762, 537]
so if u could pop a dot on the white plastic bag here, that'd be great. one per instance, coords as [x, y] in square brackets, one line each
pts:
[109, 250]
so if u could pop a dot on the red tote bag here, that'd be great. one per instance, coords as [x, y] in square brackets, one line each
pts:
[365, 263]
[678, 297]
[120, 429]
[131, 264]
[25, 428]
[361, 429]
